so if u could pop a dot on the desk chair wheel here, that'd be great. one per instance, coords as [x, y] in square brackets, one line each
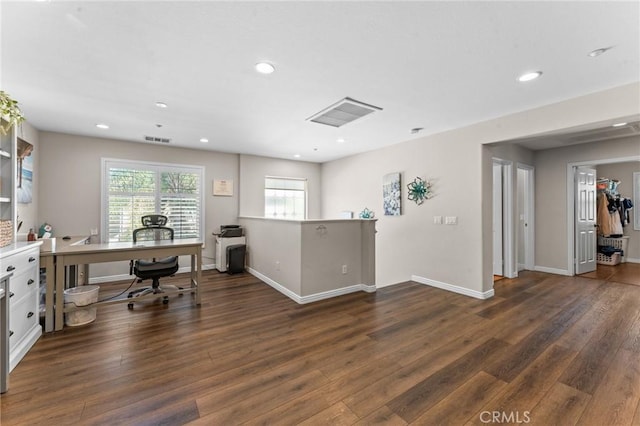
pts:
[165, 300]
[130, 305]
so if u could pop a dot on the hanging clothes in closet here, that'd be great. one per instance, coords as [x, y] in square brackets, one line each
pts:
[612, 209]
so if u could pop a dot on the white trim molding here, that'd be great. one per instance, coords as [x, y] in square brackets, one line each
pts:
[453, 288]
[555, 271]
[313, 297]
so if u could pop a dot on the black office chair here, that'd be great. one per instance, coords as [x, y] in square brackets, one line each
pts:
[153, 229]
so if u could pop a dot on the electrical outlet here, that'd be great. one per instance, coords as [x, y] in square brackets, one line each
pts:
[437, 220]
[94, 231]
[451, 220]
[344, 269]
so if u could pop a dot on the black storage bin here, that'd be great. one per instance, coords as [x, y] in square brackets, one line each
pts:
[235, 258]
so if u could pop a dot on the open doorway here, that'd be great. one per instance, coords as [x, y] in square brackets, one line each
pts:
[578, 249]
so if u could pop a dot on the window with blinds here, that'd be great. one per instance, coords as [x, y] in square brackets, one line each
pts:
[133, 189]
[285, 198]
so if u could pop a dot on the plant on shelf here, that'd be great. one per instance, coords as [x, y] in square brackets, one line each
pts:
[10, 111]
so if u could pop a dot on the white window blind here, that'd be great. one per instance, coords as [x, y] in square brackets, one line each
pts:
[285, 198]
[133, 189]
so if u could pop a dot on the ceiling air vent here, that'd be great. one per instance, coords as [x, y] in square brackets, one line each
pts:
[343, 112]
[156, 139]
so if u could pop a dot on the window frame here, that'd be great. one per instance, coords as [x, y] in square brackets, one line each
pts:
[157, 167]
[305, 190]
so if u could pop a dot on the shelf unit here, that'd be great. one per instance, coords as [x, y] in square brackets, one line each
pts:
[8, 176]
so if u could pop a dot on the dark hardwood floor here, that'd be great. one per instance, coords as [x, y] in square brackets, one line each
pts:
[546, 350]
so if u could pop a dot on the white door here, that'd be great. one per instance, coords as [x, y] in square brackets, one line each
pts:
[585, 227]
[526, 245]
[497, 220]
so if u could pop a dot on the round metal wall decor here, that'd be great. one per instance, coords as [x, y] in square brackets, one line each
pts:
[419, 190]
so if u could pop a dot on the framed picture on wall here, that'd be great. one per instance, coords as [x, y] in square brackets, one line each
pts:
[391, 195]
[223, 187]
[636, 201]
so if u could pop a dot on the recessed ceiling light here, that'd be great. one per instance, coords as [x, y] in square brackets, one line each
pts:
[296, 155]
[340, 140]
[619, 124]
[204, 140]
[102, 126]
[598, 52]
[265, 68]
[161, 105]
[416, 130]
[529, 76]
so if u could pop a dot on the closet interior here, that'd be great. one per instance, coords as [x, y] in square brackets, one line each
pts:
[612, 215]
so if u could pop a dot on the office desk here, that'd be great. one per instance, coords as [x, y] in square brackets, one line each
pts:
[85, 254]
[48, 251]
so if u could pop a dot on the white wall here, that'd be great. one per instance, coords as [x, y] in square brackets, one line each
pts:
[69, 180]
[253, 170]
[460, 167]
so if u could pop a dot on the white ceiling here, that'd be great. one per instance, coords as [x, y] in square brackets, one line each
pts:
[435, 65]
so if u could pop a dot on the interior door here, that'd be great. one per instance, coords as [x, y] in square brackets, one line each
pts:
[585, 227]
[498, 256]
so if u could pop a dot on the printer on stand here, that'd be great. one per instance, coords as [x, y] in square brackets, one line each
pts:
[230, 249]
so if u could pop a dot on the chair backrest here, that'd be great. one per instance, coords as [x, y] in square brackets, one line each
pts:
[153, 229]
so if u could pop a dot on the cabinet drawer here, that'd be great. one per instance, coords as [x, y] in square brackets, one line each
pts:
[19, 263]
[20, 285]
[23, 317]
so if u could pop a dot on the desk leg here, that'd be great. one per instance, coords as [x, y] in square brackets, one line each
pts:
[196, 273]
[59, 321]
[49, 266]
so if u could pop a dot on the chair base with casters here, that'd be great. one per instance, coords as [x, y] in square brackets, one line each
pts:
[154, 270]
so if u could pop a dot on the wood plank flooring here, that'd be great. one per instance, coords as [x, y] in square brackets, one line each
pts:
[546, 350]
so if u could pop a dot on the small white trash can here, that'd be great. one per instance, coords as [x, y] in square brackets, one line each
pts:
[81, 296]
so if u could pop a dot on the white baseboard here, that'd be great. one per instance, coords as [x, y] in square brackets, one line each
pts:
[552, 270]
[122, 277]
[632, 260]
[313, 297]
[453, 288]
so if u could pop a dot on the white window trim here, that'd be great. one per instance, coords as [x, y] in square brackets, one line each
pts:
[104, 194]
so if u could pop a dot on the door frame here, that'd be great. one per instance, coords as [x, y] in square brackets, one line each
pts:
[509, 265]
[529, 211]
[571, 199]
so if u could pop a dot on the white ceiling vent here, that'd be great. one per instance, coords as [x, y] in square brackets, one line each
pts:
[156, 139]
[343, 112]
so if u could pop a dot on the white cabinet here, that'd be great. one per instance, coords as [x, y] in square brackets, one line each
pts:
[221, 250]
[23, 261]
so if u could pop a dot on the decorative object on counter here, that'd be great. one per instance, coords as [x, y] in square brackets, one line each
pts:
[391, 194]
[31, 236]
[367, 214]
[419, 190]
[10, 110]
[46, 231]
